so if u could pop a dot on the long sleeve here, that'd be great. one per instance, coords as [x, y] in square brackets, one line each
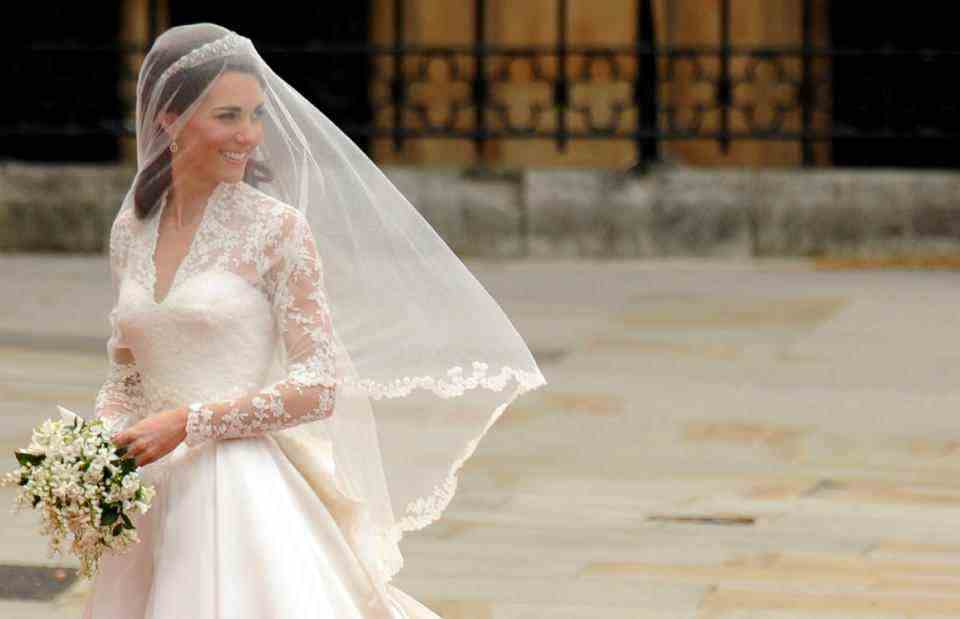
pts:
[120, 398]
[308, 391]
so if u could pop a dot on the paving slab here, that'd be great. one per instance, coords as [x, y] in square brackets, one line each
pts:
[720, 439]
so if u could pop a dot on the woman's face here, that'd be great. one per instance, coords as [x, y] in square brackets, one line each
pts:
[227, 125]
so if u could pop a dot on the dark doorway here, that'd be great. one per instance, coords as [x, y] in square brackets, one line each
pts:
[336, 83]
[906, 94]
[61, 105]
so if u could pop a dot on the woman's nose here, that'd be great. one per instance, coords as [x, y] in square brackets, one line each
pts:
[247, 133]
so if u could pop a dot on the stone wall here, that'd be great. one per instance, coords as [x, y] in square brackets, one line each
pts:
[670, 211]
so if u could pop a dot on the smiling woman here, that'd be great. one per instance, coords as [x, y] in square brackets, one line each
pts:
[216, 141]
[214, 145]
[287, 353]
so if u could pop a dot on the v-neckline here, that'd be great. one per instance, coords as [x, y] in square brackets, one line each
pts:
[210, 202]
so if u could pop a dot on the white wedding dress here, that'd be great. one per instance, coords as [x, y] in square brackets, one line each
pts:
[235, 531]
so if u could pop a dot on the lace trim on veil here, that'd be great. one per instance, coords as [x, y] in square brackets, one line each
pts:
[427, 509]
[452, 388]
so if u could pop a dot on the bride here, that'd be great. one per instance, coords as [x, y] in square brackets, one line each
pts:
[287, 355]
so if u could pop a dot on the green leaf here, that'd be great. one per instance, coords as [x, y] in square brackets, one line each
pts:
[117, 529]
[26, 458]
[23, 480]
[110, 513]
[126, 522]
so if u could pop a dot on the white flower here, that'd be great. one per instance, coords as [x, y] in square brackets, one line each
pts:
[69, 490]
[68, 416]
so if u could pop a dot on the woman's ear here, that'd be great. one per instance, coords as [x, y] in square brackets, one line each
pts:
[167, 120]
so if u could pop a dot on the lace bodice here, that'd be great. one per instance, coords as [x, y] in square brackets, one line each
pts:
[251, 275]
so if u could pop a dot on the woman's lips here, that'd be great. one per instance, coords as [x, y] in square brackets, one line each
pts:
[236, 162]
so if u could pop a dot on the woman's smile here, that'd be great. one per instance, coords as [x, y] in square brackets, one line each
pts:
[235, 157]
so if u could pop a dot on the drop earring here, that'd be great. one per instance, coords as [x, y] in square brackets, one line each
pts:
[174, 147]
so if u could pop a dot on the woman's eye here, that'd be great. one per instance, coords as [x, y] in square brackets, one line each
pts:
[258, 114]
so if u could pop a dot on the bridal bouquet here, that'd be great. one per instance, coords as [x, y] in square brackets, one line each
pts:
[83, 485]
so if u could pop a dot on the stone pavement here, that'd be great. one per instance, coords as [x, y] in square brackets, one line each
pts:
[719, 440]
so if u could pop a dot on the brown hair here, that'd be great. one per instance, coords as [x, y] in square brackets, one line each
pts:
[182, 89]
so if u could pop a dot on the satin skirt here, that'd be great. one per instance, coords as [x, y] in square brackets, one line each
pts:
[235, 532]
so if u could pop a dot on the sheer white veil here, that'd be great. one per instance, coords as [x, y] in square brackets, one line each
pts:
[427, 360]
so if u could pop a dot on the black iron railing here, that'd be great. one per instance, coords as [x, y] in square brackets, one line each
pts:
[800, 82]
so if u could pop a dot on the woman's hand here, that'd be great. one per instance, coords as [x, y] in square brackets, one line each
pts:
[150, 439]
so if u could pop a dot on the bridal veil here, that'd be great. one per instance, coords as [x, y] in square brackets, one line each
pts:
[426, 359]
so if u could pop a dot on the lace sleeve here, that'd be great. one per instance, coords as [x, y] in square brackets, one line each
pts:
[120, 399]
[308, 391]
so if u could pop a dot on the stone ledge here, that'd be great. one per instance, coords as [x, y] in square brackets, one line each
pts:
[671, 211]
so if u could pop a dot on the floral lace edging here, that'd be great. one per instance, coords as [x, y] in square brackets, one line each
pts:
[428, 509]
[452, 388]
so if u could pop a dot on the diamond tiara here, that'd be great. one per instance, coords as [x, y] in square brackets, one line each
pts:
[221, 47]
